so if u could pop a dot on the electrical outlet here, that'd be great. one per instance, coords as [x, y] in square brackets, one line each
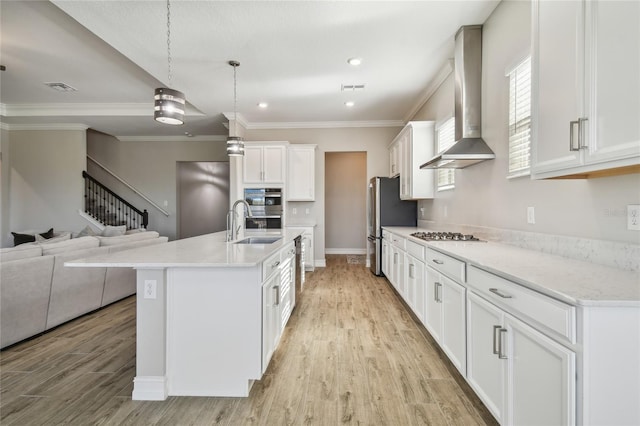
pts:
[150, 289]
[294, 210]
[531, 215]
[633, 217]
[306, 211]
[422, 212]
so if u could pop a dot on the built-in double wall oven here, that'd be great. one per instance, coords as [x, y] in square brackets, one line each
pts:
[266, 208]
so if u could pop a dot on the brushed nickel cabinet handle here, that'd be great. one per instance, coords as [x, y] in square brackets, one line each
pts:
[572, 125]
[581, 134]
[411, 267]
[501, 353]
[437, 261]
[277, 289]
[496, 291]
[495, 340]
[275, 264]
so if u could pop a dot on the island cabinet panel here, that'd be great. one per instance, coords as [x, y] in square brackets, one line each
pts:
[214, 330]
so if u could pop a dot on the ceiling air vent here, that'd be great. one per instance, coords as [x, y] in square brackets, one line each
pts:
[61, 87]
[352, 87]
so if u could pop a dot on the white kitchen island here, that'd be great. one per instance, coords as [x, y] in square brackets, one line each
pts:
[209, 313]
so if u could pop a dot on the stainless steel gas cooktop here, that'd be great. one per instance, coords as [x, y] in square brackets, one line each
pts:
[444, 236]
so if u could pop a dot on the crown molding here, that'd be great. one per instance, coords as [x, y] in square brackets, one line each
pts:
[83, 109]
[434, 84]
[199, 138]
[45, 126]
[324, 124]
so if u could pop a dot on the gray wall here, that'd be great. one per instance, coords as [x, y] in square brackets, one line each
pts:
[42, 185]
[483, 196]
[150, 167]
[372, 140]
[203, 197]
[346, 202]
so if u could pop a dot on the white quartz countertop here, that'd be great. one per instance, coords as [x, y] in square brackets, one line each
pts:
[204, 251]
[572, 281]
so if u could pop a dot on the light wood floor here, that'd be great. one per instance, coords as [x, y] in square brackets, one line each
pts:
[351, 354]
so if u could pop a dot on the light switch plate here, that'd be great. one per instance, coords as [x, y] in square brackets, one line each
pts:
[633, 217]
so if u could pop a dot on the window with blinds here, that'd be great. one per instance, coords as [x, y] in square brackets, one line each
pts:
[520, 119]
[445, 137]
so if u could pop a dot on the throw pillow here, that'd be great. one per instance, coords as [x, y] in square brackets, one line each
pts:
[86, 232]
[114, 231]
[63, 236]
[22, 238]
[48, 234]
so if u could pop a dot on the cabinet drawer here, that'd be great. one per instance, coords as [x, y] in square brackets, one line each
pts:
[386, 235]
[270, 265]
[398, 241]
[536, 309]
[416, 250]
[447, 265]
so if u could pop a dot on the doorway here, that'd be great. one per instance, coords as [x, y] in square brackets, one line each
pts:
[203, 197]
[345, 202]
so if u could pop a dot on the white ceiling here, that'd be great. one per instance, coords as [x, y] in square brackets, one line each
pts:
[293, 55]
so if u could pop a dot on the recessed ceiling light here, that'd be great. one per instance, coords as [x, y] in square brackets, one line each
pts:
[263, 104]
[354, 61]
[349, 104]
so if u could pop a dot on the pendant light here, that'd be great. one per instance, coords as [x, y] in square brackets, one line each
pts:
[235, 144]
[169, 103]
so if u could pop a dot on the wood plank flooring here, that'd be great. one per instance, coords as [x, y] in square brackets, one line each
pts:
[351, 354]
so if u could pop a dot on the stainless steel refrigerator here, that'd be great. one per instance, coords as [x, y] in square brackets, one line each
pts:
[386, 209]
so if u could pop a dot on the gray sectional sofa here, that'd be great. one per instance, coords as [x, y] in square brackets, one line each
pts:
[37, 292]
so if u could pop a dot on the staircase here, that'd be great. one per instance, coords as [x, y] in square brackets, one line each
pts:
[108, 208]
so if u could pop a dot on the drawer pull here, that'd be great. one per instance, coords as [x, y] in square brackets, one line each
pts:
[277, 289]
[275, 264]
[437, 261]
[411, 267]
[496, 291]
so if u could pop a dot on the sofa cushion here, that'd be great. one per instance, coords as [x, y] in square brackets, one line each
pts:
[112, 241]
[62, 236]
[20, 252]
[87, 231]
[25, 287]
[69, 245]
[114, 231]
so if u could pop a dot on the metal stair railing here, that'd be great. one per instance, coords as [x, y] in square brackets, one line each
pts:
[109, 208]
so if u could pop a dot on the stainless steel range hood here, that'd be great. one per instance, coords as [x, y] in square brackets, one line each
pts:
[469, 147]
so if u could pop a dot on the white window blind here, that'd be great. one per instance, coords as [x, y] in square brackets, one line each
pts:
[445, 137]
[520, 119]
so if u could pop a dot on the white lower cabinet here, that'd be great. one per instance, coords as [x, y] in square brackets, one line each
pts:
[385, 255]
[445, 316]
[521, 375]
[415, 286]
[278, 299]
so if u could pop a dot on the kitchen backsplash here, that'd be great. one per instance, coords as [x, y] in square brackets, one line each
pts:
[609, 253]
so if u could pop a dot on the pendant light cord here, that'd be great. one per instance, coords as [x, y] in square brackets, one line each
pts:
[169, 40]
[235, 102]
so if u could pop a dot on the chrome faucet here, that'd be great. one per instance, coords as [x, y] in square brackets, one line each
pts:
[232, 231]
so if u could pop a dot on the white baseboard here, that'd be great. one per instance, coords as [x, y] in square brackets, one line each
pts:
[320, 263]
[345, 251]
[150, 388]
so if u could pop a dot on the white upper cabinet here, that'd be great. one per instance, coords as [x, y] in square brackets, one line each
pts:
[586, 80]
[301, 173]
[264, 164]
[413, 147]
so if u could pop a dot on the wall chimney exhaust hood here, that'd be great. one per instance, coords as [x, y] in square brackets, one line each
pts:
[469, 147]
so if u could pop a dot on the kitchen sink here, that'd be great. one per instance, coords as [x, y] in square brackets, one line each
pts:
[259, 240]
